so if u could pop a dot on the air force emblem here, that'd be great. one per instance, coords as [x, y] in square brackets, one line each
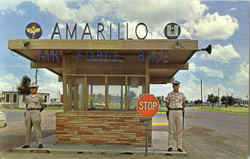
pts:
[33, 31]
[172, 31]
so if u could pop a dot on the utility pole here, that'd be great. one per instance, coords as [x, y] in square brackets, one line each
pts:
[219, 96]
[201, 93]
[36, 77]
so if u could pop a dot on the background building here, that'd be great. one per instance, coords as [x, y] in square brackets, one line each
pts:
[13, 99]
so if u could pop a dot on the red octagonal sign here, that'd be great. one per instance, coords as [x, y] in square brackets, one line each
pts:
[147, 105]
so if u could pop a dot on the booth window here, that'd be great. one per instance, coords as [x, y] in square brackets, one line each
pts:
[14, 98]
[104, 92]
[7, 98]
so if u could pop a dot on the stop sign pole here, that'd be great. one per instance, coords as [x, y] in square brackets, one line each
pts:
[147, 106]
[147, 124]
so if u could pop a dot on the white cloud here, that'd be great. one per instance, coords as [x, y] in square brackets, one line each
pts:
[191, 87]
[2, 13]
[192, 67]
[58, 8]
[185, 34]
[222, 54]
[51, 84]
[156, 13]
[208, 71]
[49, 74]
[233, 9]
[86, 12]
[53, 88]
[9, 82]
[211, 72]
[11, 4]
[242, 77]
[213, 26]
[220, 90]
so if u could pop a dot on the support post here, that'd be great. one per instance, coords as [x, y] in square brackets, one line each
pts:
[91, 96]
[76, 106]
[147, 78]
[106, 93]
[85, 94]
[70, 94]
[121, 97]
[126, 92]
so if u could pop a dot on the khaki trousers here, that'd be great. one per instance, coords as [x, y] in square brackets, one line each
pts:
[33, 119]
[175, 128]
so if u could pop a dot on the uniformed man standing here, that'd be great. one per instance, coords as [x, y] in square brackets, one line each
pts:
[175, 103]
[33, 117]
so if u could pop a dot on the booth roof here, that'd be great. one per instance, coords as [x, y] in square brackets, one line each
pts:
[178, 53]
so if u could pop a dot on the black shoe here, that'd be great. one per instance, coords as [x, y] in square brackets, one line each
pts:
[170, 149]
[179, 150]
[40, 146]
[26, 146]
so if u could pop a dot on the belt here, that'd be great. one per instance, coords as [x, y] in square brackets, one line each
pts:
[33, 109]
[175, 109]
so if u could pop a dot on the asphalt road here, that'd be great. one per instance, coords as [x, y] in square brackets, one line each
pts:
[207, 134]
[13, 116]
[220, 122]
[14, 134]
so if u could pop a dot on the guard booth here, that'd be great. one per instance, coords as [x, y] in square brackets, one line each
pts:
[84, 64]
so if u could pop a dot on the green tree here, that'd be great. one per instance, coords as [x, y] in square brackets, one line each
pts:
[228, 100]
[159, 99]
[212, 99]
[198, 101]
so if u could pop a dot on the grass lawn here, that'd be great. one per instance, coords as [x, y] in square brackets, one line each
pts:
[19, 108]
[236, 110]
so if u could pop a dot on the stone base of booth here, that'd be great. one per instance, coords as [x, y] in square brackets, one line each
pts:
[101, 127]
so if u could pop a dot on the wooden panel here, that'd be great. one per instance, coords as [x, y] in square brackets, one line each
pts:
[161, 67]
[128, 50]
[103, 75]
[45, 65]
[160, 80]
[102, 44]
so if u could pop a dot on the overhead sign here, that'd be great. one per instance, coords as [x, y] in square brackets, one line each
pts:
[157, 57]
[103, 32]
[172, 31]
[33, 31]
[147, 105]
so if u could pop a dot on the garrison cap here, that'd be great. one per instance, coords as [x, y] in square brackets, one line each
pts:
[175, 82]
[33, 85]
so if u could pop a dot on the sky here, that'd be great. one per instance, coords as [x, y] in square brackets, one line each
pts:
[224, 24]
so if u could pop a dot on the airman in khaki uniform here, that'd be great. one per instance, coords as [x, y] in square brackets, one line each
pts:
[175, 103]
[33, 117]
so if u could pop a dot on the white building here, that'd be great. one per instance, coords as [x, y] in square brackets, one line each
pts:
[12, 98]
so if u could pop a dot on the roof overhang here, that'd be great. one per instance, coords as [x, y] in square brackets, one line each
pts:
[178, 53]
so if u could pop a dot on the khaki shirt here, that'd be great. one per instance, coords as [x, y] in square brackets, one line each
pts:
[34, 101]
[175, 100]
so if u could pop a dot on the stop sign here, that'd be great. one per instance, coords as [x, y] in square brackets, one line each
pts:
[147, 105]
